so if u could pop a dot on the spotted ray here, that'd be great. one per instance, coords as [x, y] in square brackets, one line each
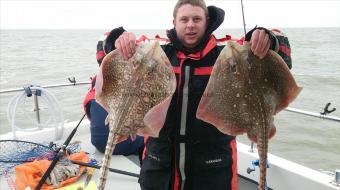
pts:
[136, 93]
[244, 93]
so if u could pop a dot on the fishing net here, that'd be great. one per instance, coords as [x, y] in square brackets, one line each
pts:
[15, 152]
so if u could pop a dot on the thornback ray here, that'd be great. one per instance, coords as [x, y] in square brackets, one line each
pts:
[244, 93]
[136, 94]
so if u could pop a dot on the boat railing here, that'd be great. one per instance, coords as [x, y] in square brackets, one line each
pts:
[313, 114]
[56, 119]
[32, 90]
[72, 82]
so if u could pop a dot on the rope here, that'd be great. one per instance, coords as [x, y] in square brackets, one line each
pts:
[55, 115]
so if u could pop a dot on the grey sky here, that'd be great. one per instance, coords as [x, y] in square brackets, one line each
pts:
[154, 14]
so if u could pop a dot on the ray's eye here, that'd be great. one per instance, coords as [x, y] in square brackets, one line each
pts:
[249, 61]
[233, 66]
[250, 58]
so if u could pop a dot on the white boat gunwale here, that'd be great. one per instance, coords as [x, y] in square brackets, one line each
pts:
[282, 174]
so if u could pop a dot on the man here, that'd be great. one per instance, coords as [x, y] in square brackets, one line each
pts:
[189, 153]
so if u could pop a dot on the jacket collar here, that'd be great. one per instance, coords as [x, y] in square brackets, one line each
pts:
[199, 54]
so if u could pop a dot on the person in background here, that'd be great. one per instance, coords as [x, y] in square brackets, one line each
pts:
[97, 115]
[190, 154]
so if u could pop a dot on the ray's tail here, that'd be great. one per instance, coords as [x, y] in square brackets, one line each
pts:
[110, 146]
[262, 145]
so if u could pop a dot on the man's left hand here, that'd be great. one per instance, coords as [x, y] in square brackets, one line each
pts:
[260, 43]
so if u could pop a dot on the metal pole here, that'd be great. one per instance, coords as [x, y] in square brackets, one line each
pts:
[307, 113]
[36, 104]
[313, 114]
[47, 86]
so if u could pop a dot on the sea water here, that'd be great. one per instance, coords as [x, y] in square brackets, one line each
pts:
[44, 57]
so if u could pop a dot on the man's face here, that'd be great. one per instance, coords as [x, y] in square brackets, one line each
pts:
[190, 24]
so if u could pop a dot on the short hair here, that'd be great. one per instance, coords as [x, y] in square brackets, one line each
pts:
[198, 3]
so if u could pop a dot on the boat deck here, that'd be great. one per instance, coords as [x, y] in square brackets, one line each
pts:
[118, 181]
[282, 173]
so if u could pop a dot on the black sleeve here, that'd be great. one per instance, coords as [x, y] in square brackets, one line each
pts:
[109, 42]
[279, 43]
[284, 47]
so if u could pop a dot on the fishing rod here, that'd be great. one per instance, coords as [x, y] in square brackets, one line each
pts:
[58, 154]
[72, 82]
[244, 21]
[245, 34]
[110, 169]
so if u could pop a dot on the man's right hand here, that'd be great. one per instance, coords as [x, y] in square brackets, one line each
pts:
[126, 45]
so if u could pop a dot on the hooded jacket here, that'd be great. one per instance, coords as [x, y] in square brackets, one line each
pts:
[190, 153]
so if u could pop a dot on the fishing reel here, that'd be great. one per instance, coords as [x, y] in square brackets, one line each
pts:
[255, 163]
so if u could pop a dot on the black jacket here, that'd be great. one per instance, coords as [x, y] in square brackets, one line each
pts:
[189, 153]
